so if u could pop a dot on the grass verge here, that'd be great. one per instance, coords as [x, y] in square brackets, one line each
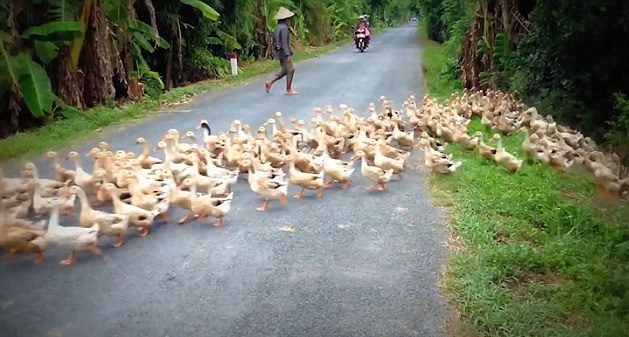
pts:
[65, 132]
[536, 253]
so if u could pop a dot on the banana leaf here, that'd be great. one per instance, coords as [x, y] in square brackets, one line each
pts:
[35, 86]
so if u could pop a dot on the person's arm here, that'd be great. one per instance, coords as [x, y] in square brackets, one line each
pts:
[284, 41]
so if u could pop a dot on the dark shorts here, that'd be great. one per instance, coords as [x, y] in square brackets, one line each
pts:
[287, 68]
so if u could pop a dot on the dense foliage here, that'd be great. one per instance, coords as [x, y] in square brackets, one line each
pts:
[568, 58]
[61, 57]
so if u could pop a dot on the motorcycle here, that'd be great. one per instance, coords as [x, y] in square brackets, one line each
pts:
[360, 39]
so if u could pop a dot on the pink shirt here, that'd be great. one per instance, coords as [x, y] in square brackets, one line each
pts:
[362, 25]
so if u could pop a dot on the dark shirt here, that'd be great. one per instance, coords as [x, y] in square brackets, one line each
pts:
[281, 38]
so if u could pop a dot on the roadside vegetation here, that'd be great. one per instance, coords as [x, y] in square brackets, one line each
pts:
[537, 253]
[70, 67]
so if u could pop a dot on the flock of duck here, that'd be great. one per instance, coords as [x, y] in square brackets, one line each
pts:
[545, 141]
[198, 177]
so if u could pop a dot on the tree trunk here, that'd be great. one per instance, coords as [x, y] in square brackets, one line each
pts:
[168, 77]
[69, 82]
[95, 59]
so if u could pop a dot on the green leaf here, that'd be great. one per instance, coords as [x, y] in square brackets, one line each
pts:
[57, 31]
[163, 43]
[70, 112]
[46, 51]
[207, 11]
[63, 10]
[117, 11]
[35, 86]
[142, 42]
[9, 67]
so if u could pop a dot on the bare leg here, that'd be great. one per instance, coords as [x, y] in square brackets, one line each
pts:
[289, 79]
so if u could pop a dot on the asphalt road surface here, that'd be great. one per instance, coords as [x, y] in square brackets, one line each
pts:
[358, 263]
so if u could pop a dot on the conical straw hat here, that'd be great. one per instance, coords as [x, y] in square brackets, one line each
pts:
[283, 13]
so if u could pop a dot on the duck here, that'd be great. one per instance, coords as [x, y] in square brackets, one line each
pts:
[145, 159]
[275, 188]
[110, 224]
[61, 173]
[75, 238]
[511, 162]
[138, 217]
[81, 178]
[19, 239]
[485, 150]
[386, 163]
[375, 174]
[44, 204]
[338, 170]
[311, 181]
[436, 161]
[205, 205]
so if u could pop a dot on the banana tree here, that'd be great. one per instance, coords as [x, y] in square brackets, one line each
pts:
[23, 79]
[344, 16]
[169, 13]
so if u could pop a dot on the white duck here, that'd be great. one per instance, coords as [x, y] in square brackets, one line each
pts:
[75, 238]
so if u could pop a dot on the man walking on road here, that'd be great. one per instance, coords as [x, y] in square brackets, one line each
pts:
[283, 52]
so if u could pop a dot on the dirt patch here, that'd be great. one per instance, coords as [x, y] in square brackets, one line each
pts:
[501, 237]
[519, 284]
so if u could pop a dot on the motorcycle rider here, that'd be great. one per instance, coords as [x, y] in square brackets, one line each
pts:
[363, 24]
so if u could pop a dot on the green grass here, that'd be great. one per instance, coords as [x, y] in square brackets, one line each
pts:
[536, 253]
[97, 121]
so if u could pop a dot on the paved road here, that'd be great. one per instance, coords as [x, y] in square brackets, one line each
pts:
[358, 264]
